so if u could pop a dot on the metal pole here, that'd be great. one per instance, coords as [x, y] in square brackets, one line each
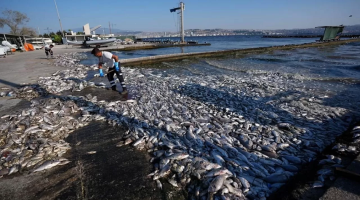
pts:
[182, 22]
[62, 32]
[109, 28]
[112, 26]
[22, 43]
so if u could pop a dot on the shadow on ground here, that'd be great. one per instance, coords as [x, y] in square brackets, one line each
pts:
[110, 173]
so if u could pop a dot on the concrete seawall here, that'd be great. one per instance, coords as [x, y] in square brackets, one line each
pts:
[179, 56]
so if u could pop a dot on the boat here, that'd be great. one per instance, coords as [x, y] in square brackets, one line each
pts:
[100, 42]
[92, 42]
[37, 45]
[39, 40]
[75, 42]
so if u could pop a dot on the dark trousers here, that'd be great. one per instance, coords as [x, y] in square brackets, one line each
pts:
[119, 74]
[47, 51]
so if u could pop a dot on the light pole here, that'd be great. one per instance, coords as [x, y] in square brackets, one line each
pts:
[62, 32]
[48, 29]
[112, 27]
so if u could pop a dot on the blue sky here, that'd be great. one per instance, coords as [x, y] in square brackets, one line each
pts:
[154, 15]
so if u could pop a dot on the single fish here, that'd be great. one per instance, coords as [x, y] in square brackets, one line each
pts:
[47, 165]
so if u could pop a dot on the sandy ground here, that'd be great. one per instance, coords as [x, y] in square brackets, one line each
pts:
[111, 173]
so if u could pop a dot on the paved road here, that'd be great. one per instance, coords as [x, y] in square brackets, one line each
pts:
[27, 67]
[24, 68]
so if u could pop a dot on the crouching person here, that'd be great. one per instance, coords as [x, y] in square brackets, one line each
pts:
[48, 50]
[111, 61]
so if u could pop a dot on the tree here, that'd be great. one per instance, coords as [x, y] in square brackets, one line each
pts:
[51, 34]
[46, 35]
[28, 31]
[58, 33]
[13, 19]
[40, 35]
[80, 33]
[57, 39]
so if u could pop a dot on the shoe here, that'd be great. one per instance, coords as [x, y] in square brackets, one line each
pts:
[113, 88]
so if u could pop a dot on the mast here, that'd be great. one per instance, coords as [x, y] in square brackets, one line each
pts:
[62, 32]
[181, 8]
[109, 28]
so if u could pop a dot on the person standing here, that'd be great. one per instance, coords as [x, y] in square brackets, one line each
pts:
[48, 49]
[112, 62]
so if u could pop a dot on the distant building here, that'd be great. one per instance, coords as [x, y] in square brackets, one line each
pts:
[86, 28]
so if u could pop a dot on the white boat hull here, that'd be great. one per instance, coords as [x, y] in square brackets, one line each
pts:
[92, 42]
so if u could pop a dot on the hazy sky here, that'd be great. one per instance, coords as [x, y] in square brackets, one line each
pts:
[154, 15]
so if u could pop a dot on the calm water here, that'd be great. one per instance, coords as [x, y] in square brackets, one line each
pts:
[332, 68]
[217, 43]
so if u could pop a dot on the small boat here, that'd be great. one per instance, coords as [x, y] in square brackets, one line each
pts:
[75, 42]
[92, 42]
[100, 42]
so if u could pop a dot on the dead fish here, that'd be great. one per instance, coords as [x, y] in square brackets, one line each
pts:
[216, 183]
[141, 140]
[158, 184]
[292, 159]
[165, 170]
[120, 144]
[317, 184]
[47, 165]
[172, 181]
[245, 183]
[14, 169]
[325, 171]
[178, 156]
[291, 168]
[91, 152]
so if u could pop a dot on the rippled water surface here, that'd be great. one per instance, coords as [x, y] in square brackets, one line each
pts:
[331, 68]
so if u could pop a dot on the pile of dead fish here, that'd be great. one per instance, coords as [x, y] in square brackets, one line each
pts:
[33, 140]
[214, 134]
[328, 166]
[7, 93]
[226, 136]
[26, 92]
[354, 145]
[71, 78]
